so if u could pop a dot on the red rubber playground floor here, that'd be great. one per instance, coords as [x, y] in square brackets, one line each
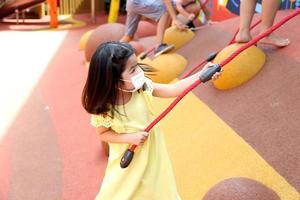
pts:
[48, 150]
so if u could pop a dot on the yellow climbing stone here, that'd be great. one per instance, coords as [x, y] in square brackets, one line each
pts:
[168, 67]
[177, 38]
[84, 38]
[241, 69]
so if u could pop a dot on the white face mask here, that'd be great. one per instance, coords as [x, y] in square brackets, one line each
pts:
[137, 81]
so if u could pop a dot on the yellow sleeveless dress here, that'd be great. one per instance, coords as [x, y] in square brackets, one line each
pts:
[150, 174]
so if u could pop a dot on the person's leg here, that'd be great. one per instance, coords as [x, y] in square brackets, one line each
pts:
[132, 21]
[157, 11]
[162, 25]
[247, 8]
[193, 8]
[269, 9]
[126, 38]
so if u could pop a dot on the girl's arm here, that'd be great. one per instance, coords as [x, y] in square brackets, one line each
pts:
[108, 135]
[173, 90]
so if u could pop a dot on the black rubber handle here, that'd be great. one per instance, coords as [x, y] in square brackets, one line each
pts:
[211, 56]
[209, 72]
[126, 159]
[143, 55]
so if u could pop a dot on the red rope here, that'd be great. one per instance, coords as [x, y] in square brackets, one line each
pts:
[203, 4]
[169, 108]
[260, 36]
[224, 62]
[195, 68]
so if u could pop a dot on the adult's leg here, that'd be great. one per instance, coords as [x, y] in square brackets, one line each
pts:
[247, 8]
[269, 9]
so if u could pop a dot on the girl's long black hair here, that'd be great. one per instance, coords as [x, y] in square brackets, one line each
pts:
[100, 92]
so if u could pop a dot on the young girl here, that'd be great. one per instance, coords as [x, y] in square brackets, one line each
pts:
[119, 97]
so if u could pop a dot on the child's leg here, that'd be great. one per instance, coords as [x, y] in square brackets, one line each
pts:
[193, 8]
[247, 8]
[182, 19]
[162, 25]
[126, 38]
[157, 11]
[268, 15]
[132, 22]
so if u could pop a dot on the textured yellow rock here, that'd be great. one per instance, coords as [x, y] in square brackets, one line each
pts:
[103, 33]
[83, 40]
[241, 69]
[168, 67]
[177, 38]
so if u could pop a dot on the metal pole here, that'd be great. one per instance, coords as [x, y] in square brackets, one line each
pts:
[23, 16]
[93, 11]
[17, 15]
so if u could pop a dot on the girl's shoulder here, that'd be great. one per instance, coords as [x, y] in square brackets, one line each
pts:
[107, 120]
[101, 120]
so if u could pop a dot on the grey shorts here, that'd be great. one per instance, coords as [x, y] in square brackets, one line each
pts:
[152, 9]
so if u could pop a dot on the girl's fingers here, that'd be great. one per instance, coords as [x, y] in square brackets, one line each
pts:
[209, 64]
[145, 134]
[216, 75]
[143, 138]
[142, 141]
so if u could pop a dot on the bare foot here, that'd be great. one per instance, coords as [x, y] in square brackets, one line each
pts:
[275, 41]
[243, 37]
